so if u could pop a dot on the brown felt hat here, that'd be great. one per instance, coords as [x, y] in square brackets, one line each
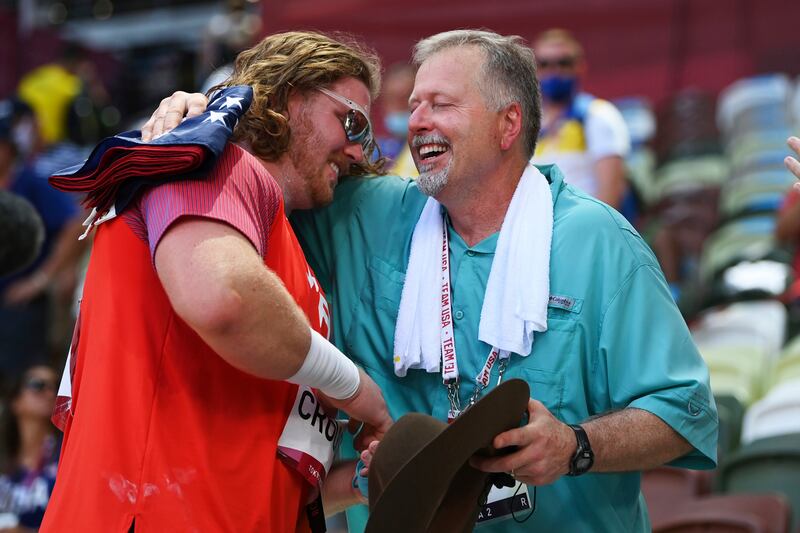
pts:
[420, 479]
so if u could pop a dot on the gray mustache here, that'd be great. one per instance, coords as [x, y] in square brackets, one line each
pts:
[419, 140]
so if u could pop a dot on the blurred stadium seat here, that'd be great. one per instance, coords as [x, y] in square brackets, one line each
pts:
[739, 513]
[665, 487]
[765, 465]
[778, 413]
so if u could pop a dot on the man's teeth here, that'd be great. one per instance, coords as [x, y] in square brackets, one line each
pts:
[334, 167]
[432, 150]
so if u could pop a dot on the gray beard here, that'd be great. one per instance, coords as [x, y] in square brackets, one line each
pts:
[432, 183]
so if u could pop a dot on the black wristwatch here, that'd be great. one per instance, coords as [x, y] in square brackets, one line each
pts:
[583, 459]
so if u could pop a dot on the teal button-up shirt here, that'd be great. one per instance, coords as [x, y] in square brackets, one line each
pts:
[614, 337]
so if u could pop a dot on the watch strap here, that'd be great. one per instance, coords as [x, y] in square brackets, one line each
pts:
[583, 453]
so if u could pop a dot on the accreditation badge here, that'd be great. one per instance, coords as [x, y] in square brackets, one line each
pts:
[310, 438]
[503, 502]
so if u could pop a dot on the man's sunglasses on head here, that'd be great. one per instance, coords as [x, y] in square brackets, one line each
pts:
[356, 124]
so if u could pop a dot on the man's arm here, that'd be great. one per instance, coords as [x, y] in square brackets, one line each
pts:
[338, 492]
[654, 396]
[632, 439]
[64, 258]
[217, 282]
[611, 181]
[608, 143]
[626, 440]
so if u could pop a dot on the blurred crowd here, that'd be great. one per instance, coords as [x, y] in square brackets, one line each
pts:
[701, 177]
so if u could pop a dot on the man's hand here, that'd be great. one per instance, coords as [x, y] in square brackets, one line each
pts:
[172, 111]
[338, 491]
[368, 406]
[366, 457]
[545, 447]
[792, 163]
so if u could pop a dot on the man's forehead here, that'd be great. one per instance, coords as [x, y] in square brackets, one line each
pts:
[449, 70]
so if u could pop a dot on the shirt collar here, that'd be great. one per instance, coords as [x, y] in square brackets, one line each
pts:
[489, 244]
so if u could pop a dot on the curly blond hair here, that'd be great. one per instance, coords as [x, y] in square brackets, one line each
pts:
[301, 61]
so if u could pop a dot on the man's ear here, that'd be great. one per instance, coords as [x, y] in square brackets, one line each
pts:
[510, 125]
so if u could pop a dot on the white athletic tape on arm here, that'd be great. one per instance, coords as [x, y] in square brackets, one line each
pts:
[327, 369]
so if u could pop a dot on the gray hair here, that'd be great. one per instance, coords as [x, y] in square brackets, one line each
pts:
[508, 74]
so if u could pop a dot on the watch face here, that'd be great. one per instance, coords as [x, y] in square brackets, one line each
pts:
[583, 463]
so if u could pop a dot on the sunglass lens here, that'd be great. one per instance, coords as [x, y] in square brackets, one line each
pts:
[357, 128]
[355, 125]
[564, 62]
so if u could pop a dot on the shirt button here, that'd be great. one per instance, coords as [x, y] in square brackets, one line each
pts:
[470, 253]
[459, 315]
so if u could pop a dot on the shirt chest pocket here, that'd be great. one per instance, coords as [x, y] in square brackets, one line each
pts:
[553, 356]
[387, 286]
[375, 314]
[563, 313]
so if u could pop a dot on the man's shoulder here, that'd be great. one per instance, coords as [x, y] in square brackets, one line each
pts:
[381, 193]
[599, 111]
[379, 185]
[240, 166]
[581, 221]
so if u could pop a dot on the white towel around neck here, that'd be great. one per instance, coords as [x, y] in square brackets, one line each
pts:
[517, 293]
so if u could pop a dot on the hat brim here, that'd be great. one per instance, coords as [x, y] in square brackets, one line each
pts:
[436, 487]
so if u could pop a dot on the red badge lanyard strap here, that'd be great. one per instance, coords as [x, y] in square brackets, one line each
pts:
[448, 343]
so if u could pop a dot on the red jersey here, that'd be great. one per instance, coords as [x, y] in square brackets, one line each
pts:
[161, 430]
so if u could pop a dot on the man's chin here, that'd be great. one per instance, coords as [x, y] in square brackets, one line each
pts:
[322, 197]
[430, 185]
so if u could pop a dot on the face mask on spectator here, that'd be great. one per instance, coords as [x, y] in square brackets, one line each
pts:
[22, 136]
[397, 123]
[559, 88]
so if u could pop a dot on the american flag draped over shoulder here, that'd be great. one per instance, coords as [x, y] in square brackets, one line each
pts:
[119, 166]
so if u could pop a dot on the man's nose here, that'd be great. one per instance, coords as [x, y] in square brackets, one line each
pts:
[354, 152]
[420, 119]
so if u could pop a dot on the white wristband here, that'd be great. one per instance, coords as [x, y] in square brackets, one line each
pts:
[327, 369]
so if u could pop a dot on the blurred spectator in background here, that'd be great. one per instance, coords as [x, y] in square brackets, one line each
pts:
[50, 90]
[25, 303]
[227, 34]
[585, 136]
[787, 228]
[21, 228]
[397, 86]
[30, 448]
[72, 109]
